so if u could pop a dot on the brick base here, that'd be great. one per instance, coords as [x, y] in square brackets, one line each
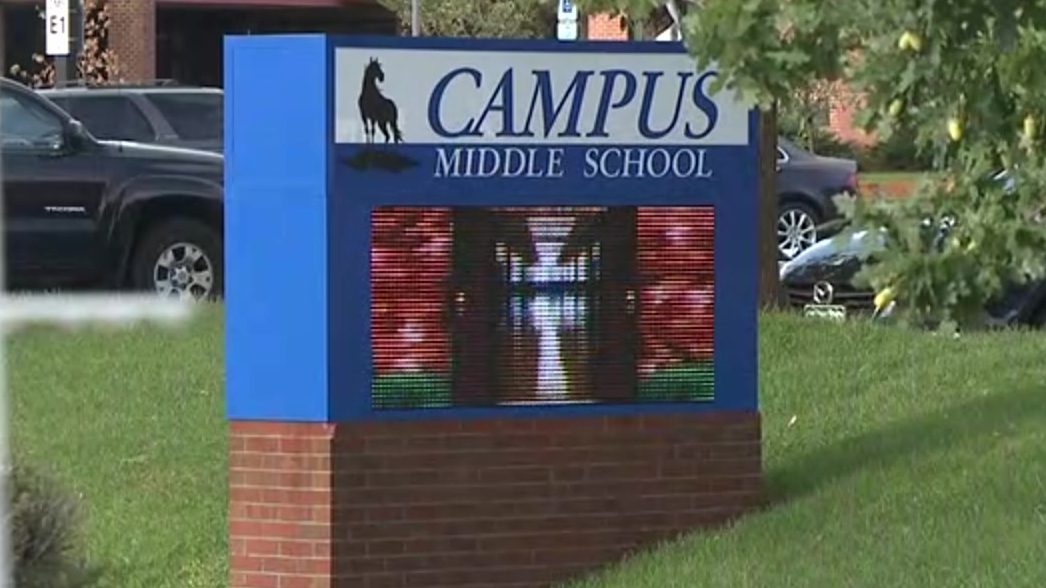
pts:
[495, 503]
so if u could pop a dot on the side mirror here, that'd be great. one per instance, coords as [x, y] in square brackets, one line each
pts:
[76, 137]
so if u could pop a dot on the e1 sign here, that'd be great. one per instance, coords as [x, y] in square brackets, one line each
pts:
[56, 19]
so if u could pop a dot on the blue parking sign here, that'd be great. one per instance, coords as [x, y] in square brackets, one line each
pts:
[567, 10]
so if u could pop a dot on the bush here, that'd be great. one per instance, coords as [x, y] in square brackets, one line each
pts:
[898, 152]
[45, 533]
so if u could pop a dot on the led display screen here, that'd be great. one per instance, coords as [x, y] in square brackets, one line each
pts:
[495, 306]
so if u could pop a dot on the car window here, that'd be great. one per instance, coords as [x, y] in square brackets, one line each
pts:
[25, 124]
[60, 102]
[194, 116]
[114, 118]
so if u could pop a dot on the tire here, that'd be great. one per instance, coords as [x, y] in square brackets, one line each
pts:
[180, 258]
[796, 228]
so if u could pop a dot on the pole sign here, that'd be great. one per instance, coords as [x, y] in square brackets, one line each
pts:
[56, 19]
[567, 11]
[566, 27]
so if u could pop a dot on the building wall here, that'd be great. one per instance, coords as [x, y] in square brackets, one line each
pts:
[133, 25]
[607, 27]
[842, 119]
[132, 37]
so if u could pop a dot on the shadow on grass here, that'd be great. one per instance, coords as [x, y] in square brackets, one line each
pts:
[963, 423]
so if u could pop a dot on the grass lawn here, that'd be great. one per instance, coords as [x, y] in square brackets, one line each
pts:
[890, 177]
[912, 460]
[895, 459]
[134, 420]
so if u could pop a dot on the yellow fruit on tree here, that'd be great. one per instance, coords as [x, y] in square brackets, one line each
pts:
[910, 41]
[955, 129]
[896, 107]
[885, 297]
[1031, 126]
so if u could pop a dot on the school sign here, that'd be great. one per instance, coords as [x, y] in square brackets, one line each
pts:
[517, 283]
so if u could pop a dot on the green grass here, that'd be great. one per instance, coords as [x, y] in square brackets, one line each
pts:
[912, 460]
[893, 459]
[134, 421]
[887, 177]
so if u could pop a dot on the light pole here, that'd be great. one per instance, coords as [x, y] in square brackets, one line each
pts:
[415, 18]
[66, 66]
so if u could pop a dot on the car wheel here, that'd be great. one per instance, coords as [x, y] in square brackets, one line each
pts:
[180, 258]
[796, 229]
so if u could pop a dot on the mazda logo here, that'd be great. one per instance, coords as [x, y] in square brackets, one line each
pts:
[823, 293]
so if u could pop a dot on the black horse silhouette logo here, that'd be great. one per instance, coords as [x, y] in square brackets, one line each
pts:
[378, 113]
[376, 110]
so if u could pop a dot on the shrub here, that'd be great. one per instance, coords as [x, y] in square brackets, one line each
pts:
[897, 152]
[45, 533]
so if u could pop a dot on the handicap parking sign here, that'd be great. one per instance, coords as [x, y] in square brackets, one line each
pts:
[567, 10]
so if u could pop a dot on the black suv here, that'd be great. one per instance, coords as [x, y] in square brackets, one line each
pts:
[161, 112]
[79, 211]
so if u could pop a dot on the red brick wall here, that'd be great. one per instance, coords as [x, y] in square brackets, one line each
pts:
[280, 499]
[493, 503]
[842, 118]
[132, 36]
[607, 27]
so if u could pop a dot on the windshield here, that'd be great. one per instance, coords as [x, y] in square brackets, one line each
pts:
[23, 123]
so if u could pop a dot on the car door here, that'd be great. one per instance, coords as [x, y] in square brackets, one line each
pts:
[52, 196]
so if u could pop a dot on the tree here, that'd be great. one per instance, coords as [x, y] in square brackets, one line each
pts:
[96, 64]
[481, 18]
[689, 13]
[964, 77]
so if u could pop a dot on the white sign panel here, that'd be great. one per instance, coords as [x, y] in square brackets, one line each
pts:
[516, 97]
[566, 30]
[56, 27]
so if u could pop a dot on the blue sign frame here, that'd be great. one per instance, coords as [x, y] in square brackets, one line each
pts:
[297, 238]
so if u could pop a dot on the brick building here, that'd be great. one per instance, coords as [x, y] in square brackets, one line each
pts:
[182, 39]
